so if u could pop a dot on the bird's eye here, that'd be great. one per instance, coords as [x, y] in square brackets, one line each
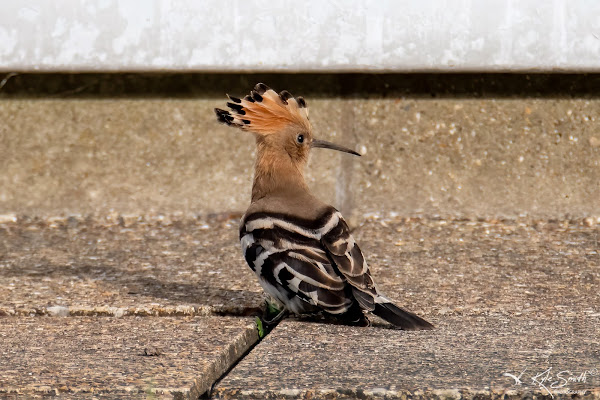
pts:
[300, 139]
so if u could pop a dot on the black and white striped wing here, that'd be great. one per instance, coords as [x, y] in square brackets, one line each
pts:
[292, 264]
[349, 261]
[316, 265]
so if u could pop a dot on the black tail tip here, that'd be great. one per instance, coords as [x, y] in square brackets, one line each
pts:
[401, 318]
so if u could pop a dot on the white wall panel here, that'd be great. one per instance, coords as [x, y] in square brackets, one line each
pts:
[307, 35]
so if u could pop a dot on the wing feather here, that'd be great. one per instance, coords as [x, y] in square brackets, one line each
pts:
[319, 262]
[300, 266]
[350, 262]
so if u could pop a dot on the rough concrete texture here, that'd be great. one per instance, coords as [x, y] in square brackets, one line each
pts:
[479, 157]
[189, 267]
[505, 296]
[534, 268]
[464, 358]
[134, 357]
[124, 267]
[469, 157]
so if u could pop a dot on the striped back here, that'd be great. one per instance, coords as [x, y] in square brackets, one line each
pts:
[307, 264]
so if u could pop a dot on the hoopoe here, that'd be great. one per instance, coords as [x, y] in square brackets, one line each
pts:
[300, 248]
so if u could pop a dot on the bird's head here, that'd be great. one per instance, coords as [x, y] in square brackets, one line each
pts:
[279, 122]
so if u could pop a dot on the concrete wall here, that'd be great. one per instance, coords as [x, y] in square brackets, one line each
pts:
[446, 152]
[309, 35]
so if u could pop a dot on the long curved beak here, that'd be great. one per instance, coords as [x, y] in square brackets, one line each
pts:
[328, 145]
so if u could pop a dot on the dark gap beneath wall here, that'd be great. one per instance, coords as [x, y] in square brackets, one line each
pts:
[313, 85]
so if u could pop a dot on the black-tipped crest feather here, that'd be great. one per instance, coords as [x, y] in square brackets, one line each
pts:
[265, 111]
[234, 99]
[224, 116]
[261, 88]
[237, 108]
[256, 96]
[285, 96]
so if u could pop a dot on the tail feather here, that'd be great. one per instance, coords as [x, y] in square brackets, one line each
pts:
[401, 318]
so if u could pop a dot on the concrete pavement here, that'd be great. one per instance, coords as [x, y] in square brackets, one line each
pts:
[84, 301]
[129, 357]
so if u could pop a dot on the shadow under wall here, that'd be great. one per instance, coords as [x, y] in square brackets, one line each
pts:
[312, 85]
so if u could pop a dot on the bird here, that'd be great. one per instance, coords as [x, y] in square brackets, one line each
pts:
[301, 248]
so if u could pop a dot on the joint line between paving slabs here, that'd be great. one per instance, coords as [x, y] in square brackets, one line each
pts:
[209, 393]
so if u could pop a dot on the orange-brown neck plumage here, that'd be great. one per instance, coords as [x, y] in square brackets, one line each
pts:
[276, 170]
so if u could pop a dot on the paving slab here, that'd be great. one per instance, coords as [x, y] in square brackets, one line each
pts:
[543, 268]
[464, 357]
[125, 266]
[131, 357]
[506, 297]
[485, 284]
[185, 267]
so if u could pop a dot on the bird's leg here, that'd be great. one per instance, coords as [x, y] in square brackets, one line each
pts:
[273, 313]
[272, 321]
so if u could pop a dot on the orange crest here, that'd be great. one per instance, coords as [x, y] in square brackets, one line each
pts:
[265, 112]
